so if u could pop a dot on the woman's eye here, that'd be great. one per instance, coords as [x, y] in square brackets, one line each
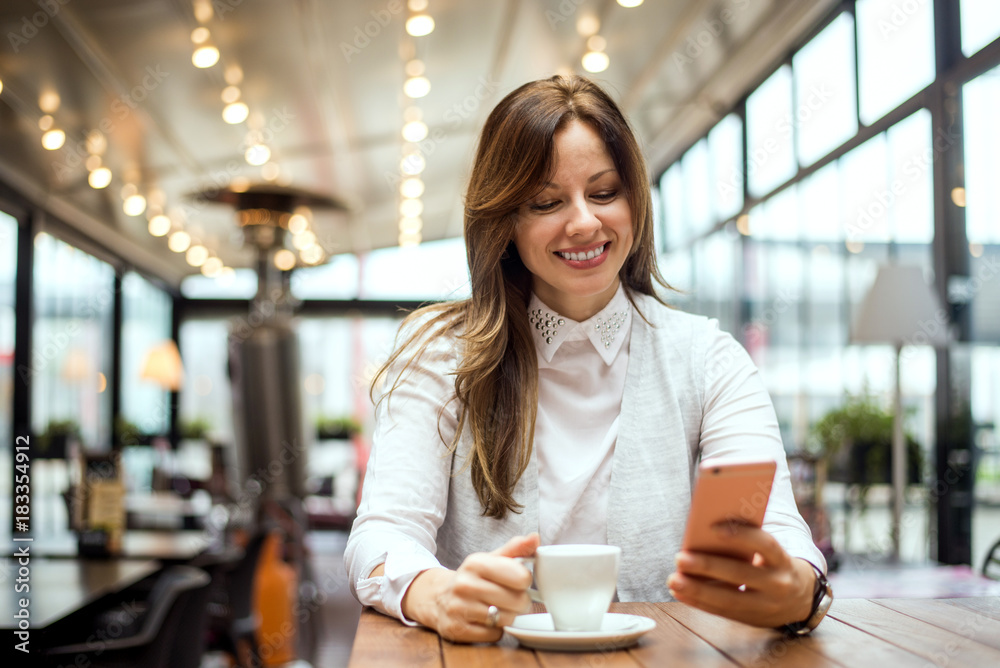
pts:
[543, 206]
[605, 196]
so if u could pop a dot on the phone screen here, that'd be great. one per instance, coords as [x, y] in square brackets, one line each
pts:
[727, 492]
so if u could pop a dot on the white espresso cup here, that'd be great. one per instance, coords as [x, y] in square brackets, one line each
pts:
[576, 583]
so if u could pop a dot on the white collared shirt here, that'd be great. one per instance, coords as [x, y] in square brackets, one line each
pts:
[581, 379]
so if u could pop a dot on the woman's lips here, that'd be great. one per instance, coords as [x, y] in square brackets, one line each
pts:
[585, 260]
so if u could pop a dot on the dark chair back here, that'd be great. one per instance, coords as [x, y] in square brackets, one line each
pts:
[171, 630]
[991, 564]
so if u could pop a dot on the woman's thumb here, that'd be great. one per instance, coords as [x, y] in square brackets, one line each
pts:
[519, 546]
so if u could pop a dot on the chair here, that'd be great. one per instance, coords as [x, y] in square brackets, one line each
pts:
[991, 564]
[168, 631]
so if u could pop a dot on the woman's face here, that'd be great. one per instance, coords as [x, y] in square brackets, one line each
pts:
[575, 235]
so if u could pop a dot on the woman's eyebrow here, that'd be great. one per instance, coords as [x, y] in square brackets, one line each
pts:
[593, 178]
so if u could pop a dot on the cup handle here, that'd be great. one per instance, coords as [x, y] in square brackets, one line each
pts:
[532, 592]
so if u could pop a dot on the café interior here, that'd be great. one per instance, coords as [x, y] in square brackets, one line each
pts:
[214, 215]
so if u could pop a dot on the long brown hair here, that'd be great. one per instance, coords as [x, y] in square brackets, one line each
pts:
[496, 381]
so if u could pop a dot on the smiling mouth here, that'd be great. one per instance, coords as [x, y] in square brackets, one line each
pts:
[589, 255]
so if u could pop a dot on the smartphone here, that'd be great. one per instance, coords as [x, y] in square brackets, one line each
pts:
[727, 492]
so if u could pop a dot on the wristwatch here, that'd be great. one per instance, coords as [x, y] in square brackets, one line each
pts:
[822, 598]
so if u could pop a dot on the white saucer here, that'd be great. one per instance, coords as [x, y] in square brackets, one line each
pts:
[617, 631]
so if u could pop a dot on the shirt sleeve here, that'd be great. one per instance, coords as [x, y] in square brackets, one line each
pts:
[405, 493]
[739, 422]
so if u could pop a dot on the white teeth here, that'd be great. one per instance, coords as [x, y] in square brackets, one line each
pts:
[590, 255]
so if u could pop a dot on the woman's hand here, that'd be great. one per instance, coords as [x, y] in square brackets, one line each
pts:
[779, 588]
[456, 603]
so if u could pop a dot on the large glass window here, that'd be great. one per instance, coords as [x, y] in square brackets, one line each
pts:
[895, 53]
[146, 314]
[910, 158]
[8, 272]
[672, 192]
[433, 270]
[206, 396]
[867, 196]
[71, 341]
[770, 129]
[698, 193]
[825, 92]
[981, 99]
[980, 24]
[725, 147]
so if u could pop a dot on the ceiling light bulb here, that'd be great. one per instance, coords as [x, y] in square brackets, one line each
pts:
[410, 225]
[205, 56]
[257, 155]
[629, 3]
[234, 75]
[200, 35]
[419, 25]
[230, 94]
[134, 205]
[97, 143]
[412, 164]
[596, 43]
[297, 224]
[235, 112]
[53, 139]
[99, 178]
[46, 122]
[239, 184]
[411, 208]
[411, 188]
[270, 171]
[304, 240]
[211, 267]
[415, 87]
[196, 255]
[312, 255]
[203, 10]
[49, 101]
[1, 85]
[587, 25]
[284, 259]
[179, 241]
[595, 61]
[159, 225]
[415, 131]
[93, 162]
[409, 239]
[414, 68]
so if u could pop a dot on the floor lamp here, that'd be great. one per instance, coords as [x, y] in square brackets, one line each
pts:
[900, 309]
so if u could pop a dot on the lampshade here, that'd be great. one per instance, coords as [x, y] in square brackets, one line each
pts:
[901, 309]
[163, 366]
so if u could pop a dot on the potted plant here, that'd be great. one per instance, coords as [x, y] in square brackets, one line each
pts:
[344, 427]
[196, 429]
[855, 443]
[52, 443]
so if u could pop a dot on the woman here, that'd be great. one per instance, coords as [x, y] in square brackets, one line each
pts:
[563, 402]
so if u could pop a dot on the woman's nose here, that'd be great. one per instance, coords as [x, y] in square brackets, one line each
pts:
[582, 220]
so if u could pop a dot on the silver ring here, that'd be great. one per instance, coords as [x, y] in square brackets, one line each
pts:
[492, 617]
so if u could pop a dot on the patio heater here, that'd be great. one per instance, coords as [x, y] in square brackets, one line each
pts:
[264, 352]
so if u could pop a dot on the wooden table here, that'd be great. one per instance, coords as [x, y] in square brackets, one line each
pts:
[60, 587]
[886, 633]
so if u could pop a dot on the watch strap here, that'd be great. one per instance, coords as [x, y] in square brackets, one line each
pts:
[822, 598]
